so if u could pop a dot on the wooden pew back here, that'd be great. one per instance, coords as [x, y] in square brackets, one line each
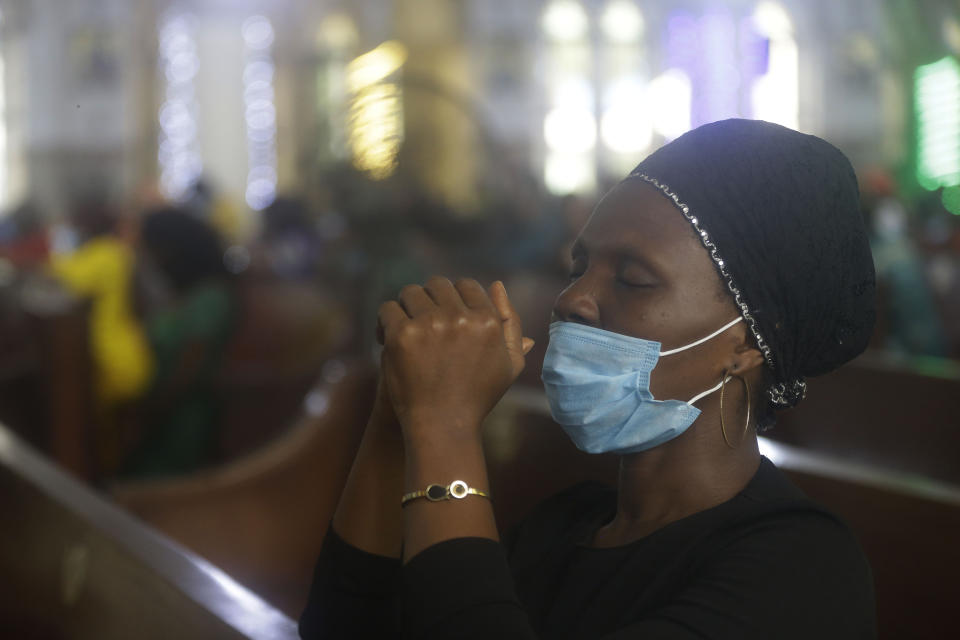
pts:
[901, 414]
[262, 517]
[74, 566]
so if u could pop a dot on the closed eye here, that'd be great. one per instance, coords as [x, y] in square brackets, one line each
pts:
[635, 285]
[635, 274]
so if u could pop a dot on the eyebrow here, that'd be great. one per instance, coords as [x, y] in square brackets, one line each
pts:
[621, 251]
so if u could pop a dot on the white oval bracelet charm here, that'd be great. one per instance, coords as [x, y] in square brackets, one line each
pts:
[458, 489]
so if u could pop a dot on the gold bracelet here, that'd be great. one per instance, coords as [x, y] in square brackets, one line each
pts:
[457, 489]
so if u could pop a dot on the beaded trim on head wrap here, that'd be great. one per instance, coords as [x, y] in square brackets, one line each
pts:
[782, 394]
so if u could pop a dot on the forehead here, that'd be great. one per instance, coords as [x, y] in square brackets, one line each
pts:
[635, 217]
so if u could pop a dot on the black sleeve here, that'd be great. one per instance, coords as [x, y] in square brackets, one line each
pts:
[353, 595]
[782, 579]
[463, 589]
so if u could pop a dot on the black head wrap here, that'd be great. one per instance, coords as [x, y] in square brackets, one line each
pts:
[779, 213]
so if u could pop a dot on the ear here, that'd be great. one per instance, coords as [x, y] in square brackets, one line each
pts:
[745, 357]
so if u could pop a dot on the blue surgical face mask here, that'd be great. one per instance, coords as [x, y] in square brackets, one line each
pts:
[598, 386]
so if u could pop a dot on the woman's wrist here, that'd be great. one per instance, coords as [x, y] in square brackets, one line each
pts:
[440, 457]
[444, 431]
[383, 421]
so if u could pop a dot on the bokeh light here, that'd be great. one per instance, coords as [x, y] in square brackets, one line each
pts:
[260, 112]
[937, 101]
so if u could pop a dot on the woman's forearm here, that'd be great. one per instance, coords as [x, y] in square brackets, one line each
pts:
[452, 560]
[440, 460]
[368, 515]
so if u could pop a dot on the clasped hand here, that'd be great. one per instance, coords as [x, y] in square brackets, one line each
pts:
[450, 352]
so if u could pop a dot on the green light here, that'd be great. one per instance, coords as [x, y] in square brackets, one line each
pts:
[951, 200]
[937, 99]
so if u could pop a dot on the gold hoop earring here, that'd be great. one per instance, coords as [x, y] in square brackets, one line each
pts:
[723, 427]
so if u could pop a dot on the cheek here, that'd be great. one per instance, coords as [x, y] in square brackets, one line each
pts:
[704, 296]
[642, 313]
[676, 378]
[689, 373]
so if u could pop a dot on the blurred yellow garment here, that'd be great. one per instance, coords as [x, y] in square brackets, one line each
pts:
[228, 221]
[102, 271]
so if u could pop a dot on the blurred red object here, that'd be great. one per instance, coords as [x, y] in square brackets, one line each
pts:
[27, 251]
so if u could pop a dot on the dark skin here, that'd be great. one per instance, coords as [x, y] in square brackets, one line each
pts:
[369, 515]
[639, 270]
[452, 350]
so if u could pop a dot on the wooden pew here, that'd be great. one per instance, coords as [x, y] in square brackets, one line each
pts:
[73, 566]
[901, 414]
[286, 332]
[46, 372]
[908, 527]
[262, 517]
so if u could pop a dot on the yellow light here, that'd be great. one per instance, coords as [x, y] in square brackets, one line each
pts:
[625, 131]
[772, 20]
[337, 31]
[573, 91]
[670, 97]
[375, 129]
[951, 34]
[375, 66]
[566, 173]
[375, 126]
[625, 126]
[622, 21]
[565, 21]
[570, 130]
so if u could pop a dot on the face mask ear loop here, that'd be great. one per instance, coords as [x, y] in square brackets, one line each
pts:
[701, 340]
[709, 391]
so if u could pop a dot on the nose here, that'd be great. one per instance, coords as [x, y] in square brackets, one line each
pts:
[577, 303]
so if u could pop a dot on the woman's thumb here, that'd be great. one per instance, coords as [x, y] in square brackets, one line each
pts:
[512, 331]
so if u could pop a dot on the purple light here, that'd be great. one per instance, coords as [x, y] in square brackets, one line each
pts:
[707, 48]
[754, 50]
[718, 77]
[682, 41]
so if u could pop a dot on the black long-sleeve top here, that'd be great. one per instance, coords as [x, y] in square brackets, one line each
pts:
[767, 564]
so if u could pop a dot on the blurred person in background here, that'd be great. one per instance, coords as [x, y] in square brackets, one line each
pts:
[209, 204]
[101, 269]
[909, 320]
[193, 317]
[23, 237]
[940, 239]
[290, 239]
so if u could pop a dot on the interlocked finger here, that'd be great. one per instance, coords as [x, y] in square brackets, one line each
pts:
[444, 294]
[474, 295]
[390, 317]
[415, 300]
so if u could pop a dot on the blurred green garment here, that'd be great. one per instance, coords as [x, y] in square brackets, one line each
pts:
[189, 342]
[911, 312]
